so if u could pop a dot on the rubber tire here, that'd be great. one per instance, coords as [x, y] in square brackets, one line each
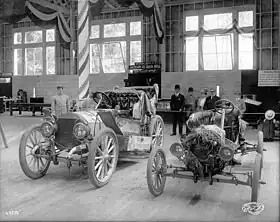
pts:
[91, 172]
[152, 125]
[260, 146]
[149, 173]
[22, 160]
[256, 178]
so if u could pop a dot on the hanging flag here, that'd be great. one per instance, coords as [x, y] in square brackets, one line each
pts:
[146, 6]
[158, 24]
[96, 7]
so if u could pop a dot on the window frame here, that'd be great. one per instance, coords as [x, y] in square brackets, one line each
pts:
[234, 10]
[127, 38]
[44, 44]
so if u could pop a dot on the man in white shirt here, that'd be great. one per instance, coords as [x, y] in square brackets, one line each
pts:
[60, 102]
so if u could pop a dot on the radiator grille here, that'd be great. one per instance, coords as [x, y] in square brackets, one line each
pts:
[64, 137]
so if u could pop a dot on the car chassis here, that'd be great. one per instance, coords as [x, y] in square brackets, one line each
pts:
[251, 165]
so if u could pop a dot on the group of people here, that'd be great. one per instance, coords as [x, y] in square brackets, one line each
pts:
[190, 104]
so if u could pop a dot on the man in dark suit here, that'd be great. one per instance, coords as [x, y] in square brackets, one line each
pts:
[177, 104]
[211, 100]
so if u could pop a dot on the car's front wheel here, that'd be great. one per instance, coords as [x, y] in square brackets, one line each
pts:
[103, 157]
[33, 165]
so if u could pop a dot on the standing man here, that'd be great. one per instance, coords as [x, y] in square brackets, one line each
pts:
[177, 104]
[211, 100]
[60, 102]
[190, 104]
[201, 100]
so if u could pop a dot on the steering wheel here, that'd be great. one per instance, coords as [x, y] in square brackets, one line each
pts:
[225, 104]
[104, 100]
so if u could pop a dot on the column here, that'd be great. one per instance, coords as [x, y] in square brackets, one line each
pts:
[83, 48]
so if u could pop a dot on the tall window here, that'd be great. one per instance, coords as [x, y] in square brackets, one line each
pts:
[246, 41]
[113, 46]
[34, 52]
[209, 41]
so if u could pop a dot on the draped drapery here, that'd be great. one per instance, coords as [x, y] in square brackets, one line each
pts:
[47, 14]
[234, 27]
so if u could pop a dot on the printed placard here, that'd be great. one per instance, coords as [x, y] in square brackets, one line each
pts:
[269, 78]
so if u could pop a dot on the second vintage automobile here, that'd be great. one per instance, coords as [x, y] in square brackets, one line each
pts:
[107, 125]
[214, 151]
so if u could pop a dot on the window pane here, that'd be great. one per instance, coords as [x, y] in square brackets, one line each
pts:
[50, 55]
[218, 21]
[224, 61]
[245, 19]
[191, 45]
[33, 37]
[245, 60]
[135, 52]
[50, 35]
[94, 58]
[191, 23]
[245, 42]
[17, 38]
[114, 30]
[33, 61]
[18, 62]
[114, 57]
[209, 44]
[95, 32]
[191, 62]
[224, 43]
[210, 62]
[217, 52]
[135, 28]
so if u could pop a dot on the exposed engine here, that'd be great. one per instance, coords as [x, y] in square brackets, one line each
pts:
[205, 150]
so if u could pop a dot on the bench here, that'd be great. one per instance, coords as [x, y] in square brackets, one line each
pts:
[31, 106]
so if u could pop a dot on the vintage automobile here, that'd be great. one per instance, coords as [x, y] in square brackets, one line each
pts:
[119, 123]
[212, 151]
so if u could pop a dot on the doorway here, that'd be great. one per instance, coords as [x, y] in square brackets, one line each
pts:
[6, 86]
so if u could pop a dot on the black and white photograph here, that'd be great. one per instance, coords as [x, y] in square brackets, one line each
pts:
[139, 110]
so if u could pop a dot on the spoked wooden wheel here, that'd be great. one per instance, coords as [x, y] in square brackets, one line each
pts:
[156, 131]
[156, 170]
[31, 163]
[260, 146]
[103, 158]
[256, 177]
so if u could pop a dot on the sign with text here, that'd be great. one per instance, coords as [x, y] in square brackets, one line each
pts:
[144, 66]
[269, 78]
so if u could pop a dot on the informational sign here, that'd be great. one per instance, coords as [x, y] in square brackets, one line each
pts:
[145, 66]
[269, 78]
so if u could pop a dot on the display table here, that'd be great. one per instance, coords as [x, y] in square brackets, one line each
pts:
[33, 106]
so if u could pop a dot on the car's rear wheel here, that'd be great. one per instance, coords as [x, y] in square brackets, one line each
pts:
[156, 169]
[156, 131]
[30, 161]
[103, 157]
[256, 177]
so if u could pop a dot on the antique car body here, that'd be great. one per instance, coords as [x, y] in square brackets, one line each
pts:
[211, 152]
[120, 122]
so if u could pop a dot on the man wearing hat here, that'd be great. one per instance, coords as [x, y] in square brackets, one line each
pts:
[211, 100]
[60, 102]
[177, 104]
[268, 126]
[190, 104]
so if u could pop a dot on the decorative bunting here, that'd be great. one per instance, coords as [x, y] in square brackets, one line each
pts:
[63, 27]
[146, 7]
[158, 24]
